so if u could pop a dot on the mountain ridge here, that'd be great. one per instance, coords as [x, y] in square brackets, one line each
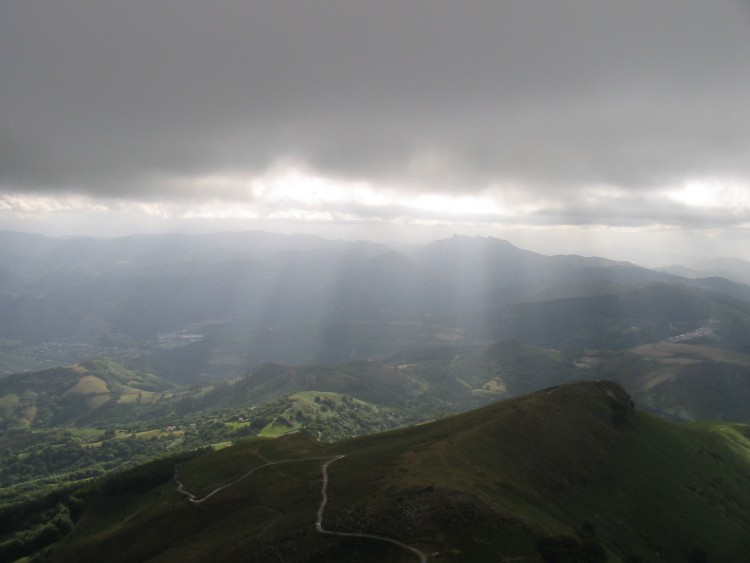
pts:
[558, 471]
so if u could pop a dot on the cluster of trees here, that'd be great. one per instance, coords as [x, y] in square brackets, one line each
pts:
[27, 528]
[70, 456]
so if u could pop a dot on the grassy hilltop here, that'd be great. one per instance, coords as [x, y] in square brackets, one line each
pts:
[572, 471]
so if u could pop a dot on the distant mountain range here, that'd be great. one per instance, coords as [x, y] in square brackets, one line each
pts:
[115, 352]
[217, 305]
[734, 269]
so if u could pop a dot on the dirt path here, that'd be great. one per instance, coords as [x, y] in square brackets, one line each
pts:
[192, 498]
[319, 523]
[321, 509]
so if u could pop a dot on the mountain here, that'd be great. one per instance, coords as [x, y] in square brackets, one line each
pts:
[570, 473]
[646, 313]
[75, 394]
[65, 425]
[368, 381]
[237, 338]
[678, 379]
[199, 308]
[734, 269]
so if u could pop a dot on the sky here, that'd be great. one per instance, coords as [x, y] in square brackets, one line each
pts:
[576, 126]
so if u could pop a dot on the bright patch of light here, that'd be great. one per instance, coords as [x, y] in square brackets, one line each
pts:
[217, 210]
[289, 191]
[727, 195]
[303, 215]
[451, 205]
[29, 204]
[299, 188]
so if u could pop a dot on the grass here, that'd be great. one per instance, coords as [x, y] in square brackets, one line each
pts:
[221, 445]
[681, 381]
[235, 425]
[275, 429]
[72, 395]
[89, 384]
[484, 485]
[8, 401]
[696, 478]
[702, 496]
[87, 434]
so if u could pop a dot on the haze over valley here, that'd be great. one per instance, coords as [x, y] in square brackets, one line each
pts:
[120, 351]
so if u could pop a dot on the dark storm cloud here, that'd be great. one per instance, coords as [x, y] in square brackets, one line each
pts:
[116, 98]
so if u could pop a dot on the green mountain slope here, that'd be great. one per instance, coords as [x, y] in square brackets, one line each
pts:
[365, 380]
[327, 416]
[64, 425]
[570, 471]
[628, 318]
[63, 396]
[678, 380]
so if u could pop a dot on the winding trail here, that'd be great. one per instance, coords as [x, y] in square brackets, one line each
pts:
[321, 509]
[319, 523]
[192, 498]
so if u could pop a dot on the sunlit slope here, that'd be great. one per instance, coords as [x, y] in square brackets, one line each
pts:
[498, 483]
[70, 395]
[366, 380]
[327, 416]
[105, 391]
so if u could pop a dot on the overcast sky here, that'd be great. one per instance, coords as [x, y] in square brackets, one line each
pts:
[570, 125]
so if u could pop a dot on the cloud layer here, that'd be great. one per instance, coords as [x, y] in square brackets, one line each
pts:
[573, 112]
